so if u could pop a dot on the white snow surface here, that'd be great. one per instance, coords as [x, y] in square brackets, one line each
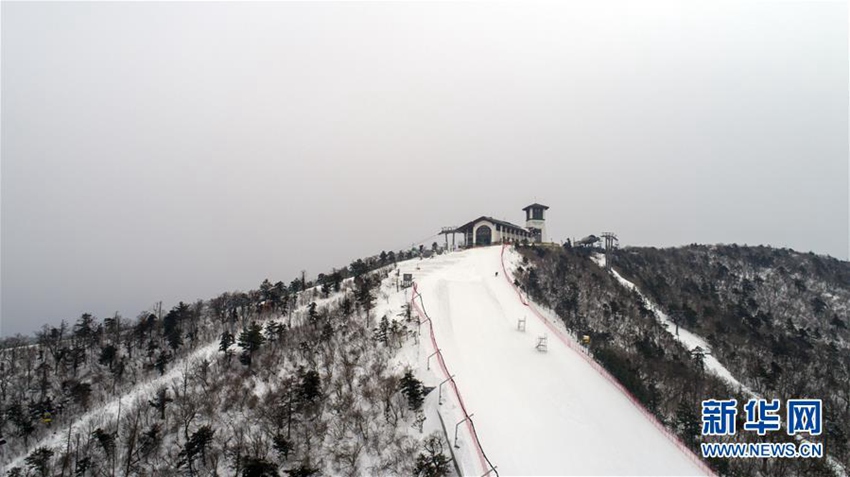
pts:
[536, 413]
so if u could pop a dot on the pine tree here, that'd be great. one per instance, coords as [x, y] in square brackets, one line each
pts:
[161, 401]
[274, 331]
[337, 281]
[412, 389]
[39, 461]
[107, 355]
[358, 268]
[310, 385]
[258, 467]
[364, 296]
[197, 445]
[226, 341]
[171, 325]
[432, 463]
[312, 314]
[382, 331]
[687, 423]
[345, 307]
[251, 338]
[22, 420]
[162, 361]
[106, 441]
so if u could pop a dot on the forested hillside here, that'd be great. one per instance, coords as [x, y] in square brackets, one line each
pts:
[777, 318]
[315, 378]
[297, 380]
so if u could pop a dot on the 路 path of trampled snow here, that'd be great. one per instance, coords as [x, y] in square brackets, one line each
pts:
[536, 413]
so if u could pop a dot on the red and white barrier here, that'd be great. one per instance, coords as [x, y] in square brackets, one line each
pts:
[485, 464]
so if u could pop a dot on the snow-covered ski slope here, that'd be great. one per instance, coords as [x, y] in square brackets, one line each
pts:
[535, 412]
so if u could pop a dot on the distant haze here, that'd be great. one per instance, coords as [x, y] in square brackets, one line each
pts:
[174, 151]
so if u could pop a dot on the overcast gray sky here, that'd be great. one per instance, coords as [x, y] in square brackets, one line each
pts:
[159, 151]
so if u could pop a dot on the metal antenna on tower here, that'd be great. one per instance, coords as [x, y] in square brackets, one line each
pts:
[611, 243]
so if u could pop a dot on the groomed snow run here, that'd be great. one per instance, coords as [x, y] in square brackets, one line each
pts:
[535, 412]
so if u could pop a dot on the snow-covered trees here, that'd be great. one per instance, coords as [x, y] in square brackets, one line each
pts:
[315, 398]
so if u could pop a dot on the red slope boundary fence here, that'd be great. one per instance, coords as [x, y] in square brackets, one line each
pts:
[488, 467]
[573, 345]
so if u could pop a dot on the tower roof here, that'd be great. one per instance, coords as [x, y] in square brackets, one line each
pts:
[536, 205]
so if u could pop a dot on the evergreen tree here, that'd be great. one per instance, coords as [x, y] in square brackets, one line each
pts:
[251, 338]
[327, 284]
[358, 268]
[382, 331]
[296, 286]
[432, 463]
[106, 441]
[346, 307]
[23, 421]
[161, 401]
[336, 277]
[150, 440]
[107, 355]
[39, 461]
[312, 314]
[197, 445]
[274, 331]
[309, 386]
[283, 446]
[171, 325]
[162, 361]
[364, 296]
[80, 392]
[412, 389]
[687, 423]
[258, 467]
[225, 342]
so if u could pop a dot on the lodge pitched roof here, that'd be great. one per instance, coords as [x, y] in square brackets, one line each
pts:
[507, 225]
